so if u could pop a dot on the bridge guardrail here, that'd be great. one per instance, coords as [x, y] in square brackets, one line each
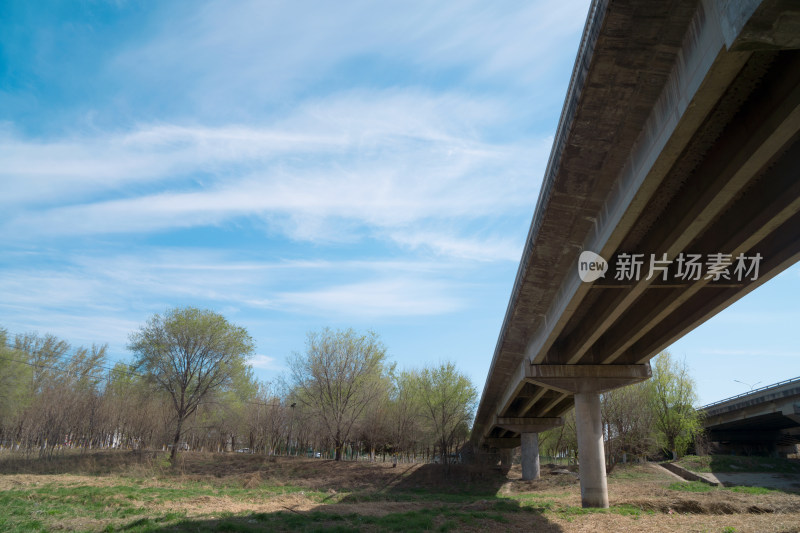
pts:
[754, 391]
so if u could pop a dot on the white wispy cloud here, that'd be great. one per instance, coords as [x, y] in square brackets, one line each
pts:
[376, 299]
[212, 50]
[449, 244]
[265, 362]
[132, 284]
[352, 166]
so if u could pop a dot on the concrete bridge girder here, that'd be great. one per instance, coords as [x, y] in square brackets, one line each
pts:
[706, 159]
[575, 379]
[529, 425]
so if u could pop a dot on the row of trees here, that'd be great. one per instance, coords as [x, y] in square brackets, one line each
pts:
[345, 384]
[189, 386]
[648, 418]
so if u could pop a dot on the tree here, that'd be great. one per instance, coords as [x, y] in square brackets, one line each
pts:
[15, 394]
[404, 413]
[189, 353]
[45, 355]
[448, 402]
[672, 396]
[561, 442]
[337, 378]
[628, 419]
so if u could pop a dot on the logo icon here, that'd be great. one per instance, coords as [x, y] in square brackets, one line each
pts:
[591, 266]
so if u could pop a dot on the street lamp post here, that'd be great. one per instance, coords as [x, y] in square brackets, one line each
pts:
[753, 386]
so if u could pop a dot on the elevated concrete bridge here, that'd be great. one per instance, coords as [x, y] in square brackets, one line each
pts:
[678, 143]
[762, 419]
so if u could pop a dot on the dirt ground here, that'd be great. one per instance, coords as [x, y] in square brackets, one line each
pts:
[641, 496]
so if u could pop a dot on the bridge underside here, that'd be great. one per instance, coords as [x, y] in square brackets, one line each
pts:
[770, 433]
[767, 420]
[680, 134]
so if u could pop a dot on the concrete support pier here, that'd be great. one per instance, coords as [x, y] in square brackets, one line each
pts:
[506, 455]
[591, 455]
[530, 456]
[587, 382]
[528, 429]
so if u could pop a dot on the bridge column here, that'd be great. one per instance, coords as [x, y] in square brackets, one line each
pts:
[587, 382]
[591, 453]
[506, 454]
[529, 429]
[530, 456]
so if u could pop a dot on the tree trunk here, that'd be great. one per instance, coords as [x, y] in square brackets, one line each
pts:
[338, 447]
[177, 440]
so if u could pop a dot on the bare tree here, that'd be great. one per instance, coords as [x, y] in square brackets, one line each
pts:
[337, 378]
[628, 420]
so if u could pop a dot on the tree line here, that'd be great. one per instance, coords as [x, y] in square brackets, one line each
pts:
[650, 418]
[188, 386]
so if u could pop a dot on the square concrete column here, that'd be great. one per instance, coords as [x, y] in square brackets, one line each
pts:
[530, 456]
[591, 455]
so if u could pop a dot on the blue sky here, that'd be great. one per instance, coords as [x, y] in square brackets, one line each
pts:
[296, 165]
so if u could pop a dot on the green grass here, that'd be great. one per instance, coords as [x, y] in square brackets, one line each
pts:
[739, 463]
[754, 490]
[691, 486]
[130, 507]
[699, 486]
[569, 512]
[33, 508]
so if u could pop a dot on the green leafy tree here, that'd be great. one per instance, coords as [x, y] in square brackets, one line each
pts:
[190, 353]
[337, 377]
[46, 355]
[448, 400]
[672, 398]
[15, 377]
[562, 441]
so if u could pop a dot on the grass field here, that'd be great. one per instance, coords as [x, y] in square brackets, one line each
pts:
[132, 492]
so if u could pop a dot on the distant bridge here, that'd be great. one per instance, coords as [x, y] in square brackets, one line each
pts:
[764, 419]
[679, 138]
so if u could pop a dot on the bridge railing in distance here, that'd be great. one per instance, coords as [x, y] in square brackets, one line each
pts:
[754, 391]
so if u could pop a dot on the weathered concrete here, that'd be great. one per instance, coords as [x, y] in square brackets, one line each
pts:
[680, 133]
[530, 456]
[529, 424]
[591, 456]
[688, 474]
[580, 378]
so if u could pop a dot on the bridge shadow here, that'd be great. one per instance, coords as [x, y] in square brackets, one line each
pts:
[332, 518]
